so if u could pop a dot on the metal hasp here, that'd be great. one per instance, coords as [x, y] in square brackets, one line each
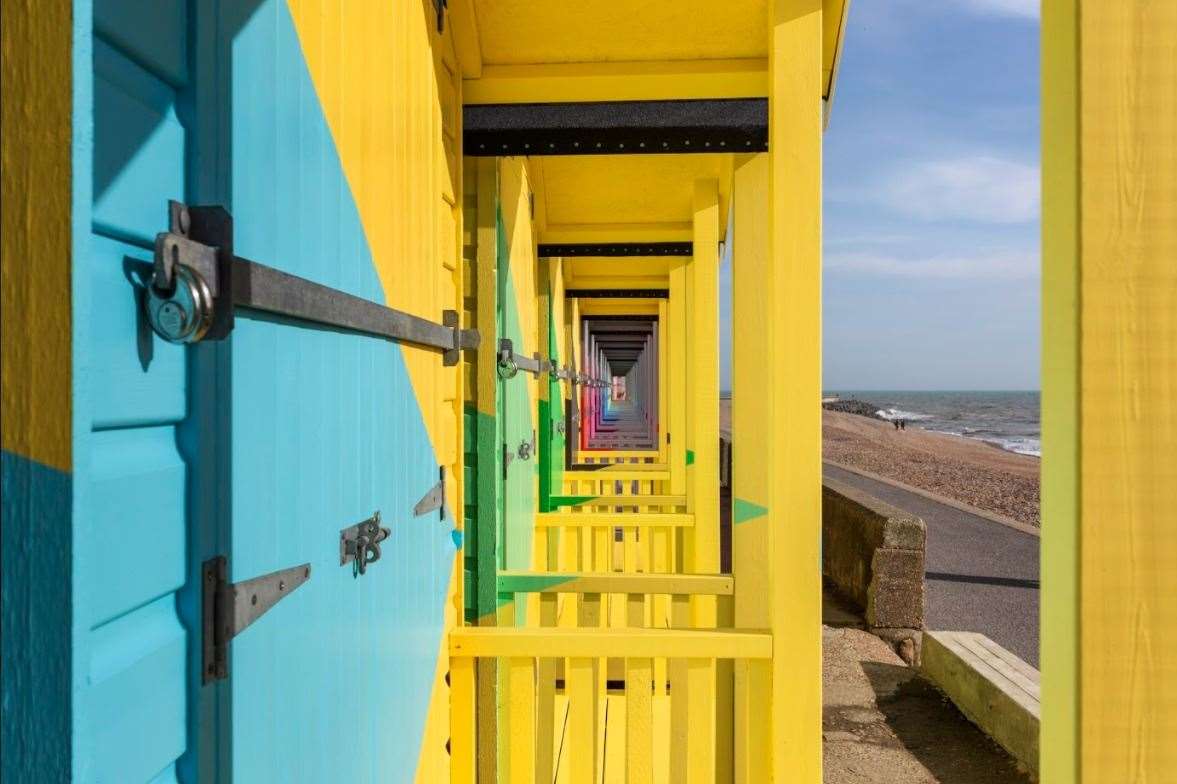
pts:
[508, 456]
[434, 499]
[360, 543]
[228, 608]
[197, 281]
[510, 362]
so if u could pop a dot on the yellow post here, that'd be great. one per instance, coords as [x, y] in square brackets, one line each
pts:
[793, 323]
[582, 720]
[702, 544]
[675, 337]
[520, 750]
[463, 768]
[751, 479]
[663, 381]
[1109, 422]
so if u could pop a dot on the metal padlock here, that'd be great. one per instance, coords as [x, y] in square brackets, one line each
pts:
[525, 451]
[184, 314]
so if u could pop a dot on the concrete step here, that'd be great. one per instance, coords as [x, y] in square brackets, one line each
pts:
[995, 689]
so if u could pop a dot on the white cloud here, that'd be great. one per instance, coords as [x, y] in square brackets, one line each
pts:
[1025, 9]
[979, 188]
[1007, 265]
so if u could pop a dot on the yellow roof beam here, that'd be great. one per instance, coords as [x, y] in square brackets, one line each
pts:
[612, 81]
[604, 233]
[618, 307]
[593, 282]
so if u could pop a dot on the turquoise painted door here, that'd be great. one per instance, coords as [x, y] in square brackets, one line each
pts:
[261, 448]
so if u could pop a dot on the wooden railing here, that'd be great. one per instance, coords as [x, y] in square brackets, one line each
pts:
[606, 665]
[584, 728]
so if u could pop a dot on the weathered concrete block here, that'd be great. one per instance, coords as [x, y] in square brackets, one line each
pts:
[895, 603]
[874, 554]
[891, 564]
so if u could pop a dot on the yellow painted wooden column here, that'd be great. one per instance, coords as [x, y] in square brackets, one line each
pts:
[676, 376]
[793, 322]
[663, 381]
[752, 534]
[702, 544]
[1109, 420]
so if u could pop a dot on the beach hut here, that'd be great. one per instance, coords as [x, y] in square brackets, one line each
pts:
[313, 316]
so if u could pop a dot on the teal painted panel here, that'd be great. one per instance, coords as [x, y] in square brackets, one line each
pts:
[131, 524]
[136, 479]
[141, 379]
[136, 706]
[325, 430]
[261, 448]
[36, 656]
[154, 34]
[139, 148]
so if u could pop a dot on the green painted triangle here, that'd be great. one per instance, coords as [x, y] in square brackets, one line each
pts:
[569, 500]
[532, 583]
[690, 457]
[743, 511]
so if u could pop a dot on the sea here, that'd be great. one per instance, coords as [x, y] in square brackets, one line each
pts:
[1009, 420]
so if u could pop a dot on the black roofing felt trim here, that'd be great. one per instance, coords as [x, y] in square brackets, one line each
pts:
[616, 127]
[548, 250]
[618, 293]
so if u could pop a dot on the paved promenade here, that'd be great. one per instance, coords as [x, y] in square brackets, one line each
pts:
[981, 576]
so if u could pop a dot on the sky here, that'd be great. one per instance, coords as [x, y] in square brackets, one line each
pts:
[931, 200]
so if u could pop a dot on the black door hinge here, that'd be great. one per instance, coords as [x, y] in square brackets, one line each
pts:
[228, 608]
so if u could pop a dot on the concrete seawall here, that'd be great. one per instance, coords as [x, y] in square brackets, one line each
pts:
[873, 553]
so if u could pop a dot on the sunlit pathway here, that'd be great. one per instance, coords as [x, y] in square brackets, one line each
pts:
[981, 576]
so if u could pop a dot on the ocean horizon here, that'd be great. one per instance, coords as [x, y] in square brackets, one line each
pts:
[1009, 419]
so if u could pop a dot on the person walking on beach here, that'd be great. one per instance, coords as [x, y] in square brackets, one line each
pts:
[896, 423]
[902, 424]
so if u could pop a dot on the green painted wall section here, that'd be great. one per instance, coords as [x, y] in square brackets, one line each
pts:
[551, 413]
[480, 438]
[516, 424]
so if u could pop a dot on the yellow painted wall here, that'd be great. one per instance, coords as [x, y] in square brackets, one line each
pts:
[515, 198]
[1110, 452]
[390, 89]
[392, 98]
[36, 231]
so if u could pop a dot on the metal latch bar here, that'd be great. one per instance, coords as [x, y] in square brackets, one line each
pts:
[511, 362]
[228, 608]
[200, 243]
[259, 287]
